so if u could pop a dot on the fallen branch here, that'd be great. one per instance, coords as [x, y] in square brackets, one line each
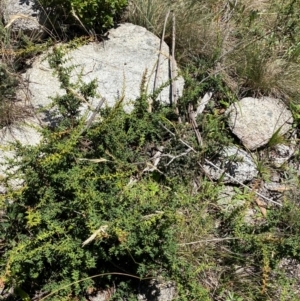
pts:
[179, 139]
[210, 163]
[175, 157]
[194, 124]
[242, 184]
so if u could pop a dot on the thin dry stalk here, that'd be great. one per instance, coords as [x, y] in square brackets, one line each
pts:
[194, 124]
[16, 17]
[92, 118]
[174, 69]
[78, 19]
[208, 240]
[160, 50]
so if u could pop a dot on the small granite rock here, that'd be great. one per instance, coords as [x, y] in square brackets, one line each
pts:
[158, 291]
[280, 154]
[291, 268]
[101, 295]
[235, 162]
[232, 198]
[254, 121]
[277, 187]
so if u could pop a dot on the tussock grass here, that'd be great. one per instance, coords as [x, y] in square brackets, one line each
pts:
[241, 40]
[197, 29]
[8, 81]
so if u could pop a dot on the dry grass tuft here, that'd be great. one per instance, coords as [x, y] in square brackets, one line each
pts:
[239, 40]
[197, 29]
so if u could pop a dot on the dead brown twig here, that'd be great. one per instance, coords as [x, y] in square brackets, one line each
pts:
[228, 175]
[174, 95]
[193, 114]
[194, 124]
[160, 50]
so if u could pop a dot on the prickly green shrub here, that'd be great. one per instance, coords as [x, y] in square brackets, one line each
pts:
[87, 206]
[8, 83]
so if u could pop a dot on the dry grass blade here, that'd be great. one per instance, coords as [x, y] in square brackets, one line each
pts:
[91, 277]
[95, 160]
[194, 124]
[99, 232]
[159, 53]
[92, 118]
[19, 16]
[208, 240]
[77, 18]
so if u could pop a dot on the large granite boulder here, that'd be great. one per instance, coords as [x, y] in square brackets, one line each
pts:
[255, 120]
[23, 15]
[118, 64]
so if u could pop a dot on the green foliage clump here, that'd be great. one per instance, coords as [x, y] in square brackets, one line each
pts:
[212, 123]
[88, 207]
[15, 53]
[92, 14]
[8, 85]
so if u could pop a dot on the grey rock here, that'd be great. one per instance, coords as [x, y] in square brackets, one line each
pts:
[27, 134]
[275, 177]
[291, 266]
[235, 162]
[101, 295]
[251, 217]
[281, 153]
[118, 65]
[158, 291]
[277, 187]
[291, 269]
[26, 15]
[254, 121]
[231, 198]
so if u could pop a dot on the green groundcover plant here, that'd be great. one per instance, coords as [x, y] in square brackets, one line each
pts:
[94, 15]
[89, 215]
[87, 206]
